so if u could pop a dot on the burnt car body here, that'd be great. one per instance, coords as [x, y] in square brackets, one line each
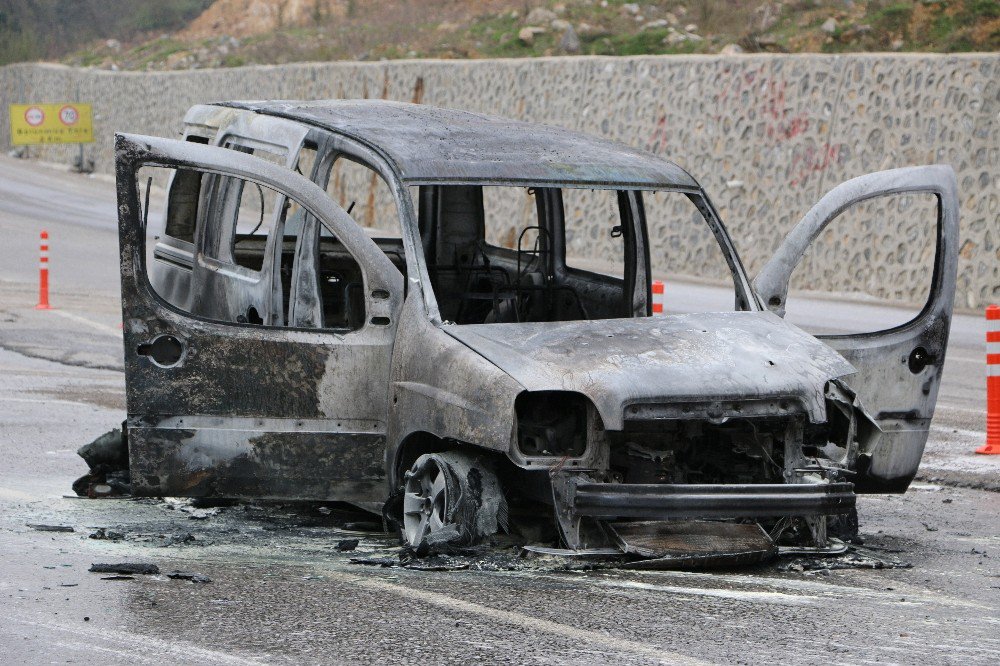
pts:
[456, 383]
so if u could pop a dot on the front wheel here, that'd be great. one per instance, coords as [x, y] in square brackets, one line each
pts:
[451, 498]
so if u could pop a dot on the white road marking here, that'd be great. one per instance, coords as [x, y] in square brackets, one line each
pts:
[104, 328]
[129, 656]
[965, 359]
[46, 401]
[965, 410]
[739, 595]
[824, 590]
[8, 494]
[140, 643]
[520, 620]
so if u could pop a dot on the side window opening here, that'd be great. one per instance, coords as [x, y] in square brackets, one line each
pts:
[182, 205]
[598, 233]
[840, 288]
[316, 284]
[594, 229]
[253, 223]
[366, 197]
[686, 255]
[182, 201]
[494, 253]
[256, 216]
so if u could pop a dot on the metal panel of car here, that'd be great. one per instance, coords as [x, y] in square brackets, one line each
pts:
[448, 145]
[289, 385]
[694, 357]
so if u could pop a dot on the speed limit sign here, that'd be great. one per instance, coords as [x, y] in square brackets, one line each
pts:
[68, 115]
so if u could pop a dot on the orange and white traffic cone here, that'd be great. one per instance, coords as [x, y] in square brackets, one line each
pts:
[43, 274]
[657, 289]
[992, 445]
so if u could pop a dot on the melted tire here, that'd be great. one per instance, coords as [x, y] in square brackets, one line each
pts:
[473, 508]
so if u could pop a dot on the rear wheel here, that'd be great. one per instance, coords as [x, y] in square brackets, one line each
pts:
[451, 498]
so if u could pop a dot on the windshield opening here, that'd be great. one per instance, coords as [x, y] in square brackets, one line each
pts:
[502, 254]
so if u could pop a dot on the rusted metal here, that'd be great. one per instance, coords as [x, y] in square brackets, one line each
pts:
[689, 544]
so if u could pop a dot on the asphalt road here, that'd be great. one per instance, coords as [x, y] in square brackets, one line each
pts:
[282, 593]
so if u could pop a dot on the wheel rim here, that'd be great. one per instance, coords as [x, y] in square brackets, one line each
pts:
[425, 501]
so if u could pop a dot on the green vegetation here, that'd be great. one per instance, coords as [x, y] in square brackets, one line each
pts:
[36, 29]
[17, 43]
[159, 51]
[157, 15]
[945, 26]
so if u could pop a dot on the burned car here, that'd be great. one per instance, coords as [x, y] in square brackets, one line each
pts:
[445, 317]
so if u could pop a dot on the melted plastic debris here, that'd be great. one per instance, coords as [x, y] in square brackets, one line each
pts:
[189, 575]
[854, 558]
[50, 528]
[191, 508]
[126, 568]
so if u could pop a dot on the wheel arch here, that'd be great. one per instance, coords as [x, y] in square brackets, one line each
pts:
[419, 442]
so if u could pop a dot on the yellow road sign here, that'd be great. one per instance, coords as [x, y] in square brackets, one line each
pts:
[51, 123]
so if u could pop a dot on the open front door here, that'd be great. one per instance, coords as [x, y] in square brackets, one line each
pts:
[223, 402]
[898, 367]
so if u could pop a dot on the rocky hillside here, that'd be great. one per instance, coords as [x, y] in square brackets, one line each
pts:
[237, 32]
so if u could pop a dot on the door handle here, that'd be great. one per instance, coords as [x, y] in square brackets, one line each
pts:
[919, 359]
[164, 350]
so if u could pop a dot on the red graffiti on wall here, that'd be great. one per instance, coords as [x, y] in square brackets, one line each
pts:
[764, 100]
[658, 138]
[764, 104]
[813, 159]
[781, 125]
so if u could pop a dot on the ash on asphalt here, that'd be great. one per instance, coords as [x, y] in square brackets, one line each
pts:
[332, 531]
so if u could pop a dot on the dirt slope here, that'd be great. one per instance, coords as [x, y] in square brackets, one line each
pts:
[246, 18]
[238, 32]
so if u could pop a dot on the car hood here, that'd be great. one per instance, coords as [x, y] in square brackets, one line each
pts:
[690, 358]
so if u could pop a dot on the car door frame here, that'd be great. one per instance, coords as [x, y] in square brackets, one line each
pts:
[898, 369]
[196, 426]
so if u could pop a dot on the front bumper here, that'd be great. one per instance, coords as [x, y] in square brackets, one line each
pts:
[663, 501]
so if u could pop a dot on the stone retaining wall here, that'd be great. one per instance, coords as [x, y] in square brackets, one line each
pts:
[766, 135]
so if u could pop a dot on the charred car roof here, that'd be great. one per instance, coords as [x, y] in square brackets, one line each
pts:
[431, 144]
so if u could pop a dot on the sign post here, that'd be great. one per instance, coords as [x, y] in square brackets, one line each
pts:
[66, 122]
